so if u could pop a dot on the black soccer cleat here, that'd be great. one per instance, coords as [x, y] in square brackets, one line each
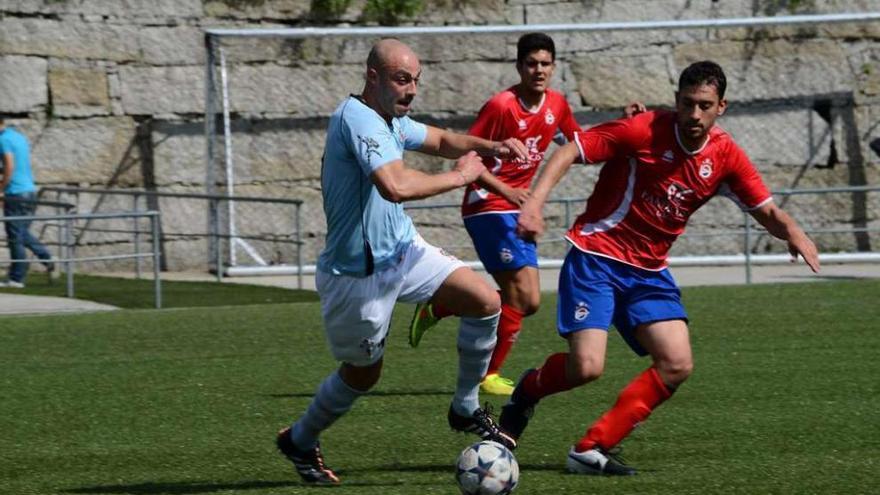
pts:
[597, 461]
[482, 425]
[308, 463]
[515, 415]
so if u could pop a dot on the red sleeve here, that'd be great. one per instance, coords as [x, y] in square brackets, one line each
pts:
[604, 141]
[488, 123]
[568, 125]
[743, 183]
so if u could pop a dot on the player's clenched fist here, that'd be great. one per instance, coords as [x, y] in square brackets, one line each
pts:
[470, 166]
[530, 224]
[512, 148]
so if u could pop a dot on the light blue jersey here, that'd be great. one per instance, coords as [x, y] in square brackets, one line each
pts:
[22, 180]
[360, 141]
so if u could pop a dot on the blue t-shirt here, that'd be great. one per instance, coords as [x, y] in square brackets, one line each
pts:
[360, 141]
[22, 180]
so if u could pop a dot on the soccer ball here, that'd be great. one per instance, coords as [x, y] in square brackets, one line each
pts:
[486, 468]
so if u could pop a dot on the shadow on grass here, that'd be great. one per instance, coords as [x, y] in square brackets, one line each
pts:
[375, 393]
[196, 487]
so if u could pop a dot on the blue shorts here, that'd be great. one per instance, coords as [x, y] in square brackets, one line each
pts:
[595, 292]
[496, 242]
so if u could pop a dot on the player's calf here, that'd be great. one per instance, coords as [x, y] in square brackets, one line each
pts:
[515, 415]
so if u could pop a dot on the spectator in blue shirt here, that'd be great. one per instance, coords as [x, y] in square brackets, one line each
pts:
[19, 199]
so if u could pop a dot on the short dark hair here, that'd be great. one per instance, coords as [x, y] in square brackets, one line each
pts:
[533, 42]
[704, 72]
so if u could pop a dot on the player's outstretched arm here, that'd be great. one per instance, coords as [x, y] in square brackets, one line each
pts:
[531, 221]
[397, 183]
[448, 144]
[515, 195]
[780, 225]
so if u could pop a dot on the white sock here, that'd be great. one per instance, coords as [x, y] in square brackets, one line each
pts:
[476, 341]
[333, 399]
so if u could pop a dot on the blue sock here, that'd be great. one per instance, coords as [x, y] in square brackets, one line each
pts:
[333, 399]
[476, 340]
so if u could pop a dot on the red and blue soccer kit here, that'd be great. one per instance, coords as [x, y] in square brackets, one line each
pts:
[648, 188]
[490, 219]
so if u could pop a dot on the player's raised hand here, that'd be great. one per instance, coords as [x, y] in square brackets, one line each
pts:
[512, 148]
[634, 108]
[530, 224]
[803, 246]
[470, 166]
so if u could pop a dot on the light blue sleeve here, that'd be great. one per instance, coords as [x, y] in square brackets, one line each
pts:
[414, 132]
[371, 141]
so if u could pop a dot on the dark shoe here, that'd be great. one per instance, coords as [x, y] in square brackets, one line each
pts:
[597, 461]
[515, 415]
[482, 425]
[308, 463]
[50, 266]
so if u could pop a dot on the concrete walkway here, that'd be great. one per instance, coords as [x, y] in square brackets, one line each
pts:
[19, 304]
[686, 277]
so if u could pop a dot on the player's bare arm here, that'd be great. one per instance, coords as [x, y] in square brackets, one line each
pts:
[448, 144]
[780, 225]
[531, 221]
[515, 195]
[397, 183]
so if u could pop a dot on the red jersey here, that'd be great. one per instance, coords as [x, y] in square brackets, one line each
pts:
[504, 116]
[650, 186]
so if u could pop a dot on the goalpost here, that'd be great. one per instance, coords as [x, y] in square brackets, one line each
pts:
[219, 92]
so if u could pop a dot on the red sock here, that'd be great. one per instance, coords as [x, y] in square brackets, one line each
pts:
[440, 311]
[634, 404]
[508, 330]
[549, 379]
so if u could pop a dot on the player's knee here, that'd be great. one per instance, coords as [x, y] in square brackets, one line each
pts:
[675, 372]
[488, 304]
[362, 378]
[582, 371]
[527, 304]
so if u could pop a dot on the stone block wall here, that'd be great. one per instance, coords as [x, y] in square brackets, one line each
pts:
[112, 95]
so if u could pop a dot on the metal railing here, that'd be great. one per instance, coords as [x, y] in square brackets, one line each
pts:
[217, 206]
[749, 233]
[67, 245]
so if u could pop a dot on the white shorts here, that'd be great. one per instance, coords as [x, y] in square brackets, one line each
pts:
[357, 311]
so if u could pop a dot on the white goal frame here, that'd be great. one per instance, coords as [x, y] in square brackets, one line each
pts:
[219, 103]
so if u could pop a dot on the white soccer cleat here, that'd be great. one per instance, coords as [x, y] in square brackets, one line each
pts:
[596, 461]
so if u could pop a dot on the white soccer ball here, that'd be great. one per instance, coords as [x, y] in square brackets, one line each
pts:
[486, 468]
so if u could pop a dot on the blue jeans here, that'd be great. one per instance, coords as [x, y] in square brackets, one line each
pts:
[18, 235]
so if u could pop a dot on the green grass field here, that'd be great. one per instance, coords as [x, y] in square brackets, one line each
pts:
[784, 399]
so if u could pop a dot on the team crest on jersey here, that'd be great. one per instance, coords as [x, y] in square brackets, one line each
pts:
[706, 169]
[668, 156]
[369, 147]
[522, 124]
[505, 255]
[549, 119]
[581, 311]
